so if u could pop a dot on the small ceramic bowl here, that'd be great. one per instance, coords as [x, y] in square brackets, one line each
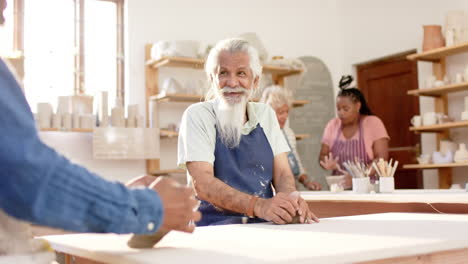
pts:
[424, 159]
[334, 179]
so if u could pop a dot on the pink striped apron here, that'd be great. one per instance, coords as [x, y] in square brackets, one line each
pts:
[349, 149]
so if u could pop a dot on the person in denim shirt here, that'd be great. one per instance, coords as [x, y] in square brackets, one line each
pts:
[41, 186]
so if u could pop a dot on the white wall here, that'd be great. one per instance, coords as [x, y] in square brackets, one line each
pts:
[288, 29]
[340, 32]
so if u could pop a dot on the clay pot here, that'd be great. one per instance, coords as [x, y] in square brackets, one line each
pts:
[433, 37]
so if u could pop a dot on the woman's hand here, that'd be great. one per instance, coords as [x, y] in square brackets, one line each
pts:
[346, 181]
[330, 163]
[310, 185]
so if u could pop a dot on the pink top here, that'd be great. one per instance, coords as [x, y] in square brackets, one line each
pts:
[373, 129]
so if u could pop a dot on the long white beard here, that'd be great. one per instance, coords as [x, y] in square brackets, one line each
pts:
[230, 115]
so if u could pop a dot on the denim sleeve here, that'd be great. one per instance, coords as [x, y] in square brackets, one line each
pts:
[39, 185]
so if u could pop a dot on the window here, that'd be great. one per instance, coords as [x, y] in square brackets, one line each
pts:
[6, 32]
[70, 47]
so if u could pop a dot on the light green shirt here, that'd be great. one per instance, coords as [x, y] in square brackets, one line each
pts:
[197, 134]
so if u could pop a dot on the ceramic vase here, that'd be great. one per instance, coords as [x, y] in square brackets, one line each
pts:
[462, 154]
[433, 37]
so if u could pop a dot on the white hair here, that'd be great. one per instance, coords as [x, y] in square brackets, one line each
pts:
[230, 120]
[276, 96]
[232, 45]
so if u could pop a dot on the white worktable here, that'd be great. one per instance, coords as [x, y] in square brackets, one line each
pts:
[399, 196]
[349, 239]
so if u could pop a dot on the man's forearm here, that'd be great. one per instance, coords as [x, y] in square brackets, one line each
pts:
[283, 179]
[285, 183]
[218, 193]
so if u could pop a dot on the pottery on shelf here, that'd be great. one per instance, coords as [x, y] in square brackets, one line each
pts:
[461, 155]
[441, 158]
[433, 37]
[446, 146]
[424, 159]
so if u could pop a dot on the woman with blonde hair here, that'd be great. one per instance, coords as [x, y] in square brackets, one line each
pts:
[280, 100]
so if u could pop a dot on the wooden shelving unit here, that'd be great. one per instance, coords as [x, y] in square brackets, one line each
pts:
[187, 98]
[435, 166]
[196, 63]
[437, 58]
[81, 130]
[166, 133]
[439, 128]
[437, 55]
[152, 91]
[439, 91]
[193, 98]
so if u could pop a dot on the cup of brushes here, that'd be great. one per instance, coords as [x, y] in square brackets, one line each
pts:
[385, 170]
[360, 175]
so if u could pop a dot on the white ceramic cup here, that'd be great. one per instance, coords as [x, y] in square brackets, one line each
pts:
[416, 121]
[386, 184]
[87, 121]
[430, 81]
[57, 121]
[458, 78]
[44, 114]
[464, 115]
[67, 121]
[361, 185]
[75, 120]
[439, 83]
[429, 119]
[424, 159]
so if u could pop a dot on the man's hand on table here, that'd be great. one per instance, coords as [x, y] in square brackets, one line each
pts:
[282, 208]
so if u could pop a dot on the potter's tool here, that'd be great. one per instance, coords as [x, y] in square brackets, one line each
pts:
[384, 168]
[146, 241]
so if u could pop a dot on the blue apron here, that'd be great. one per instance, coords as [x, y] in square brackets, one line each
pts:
[292, 159]
[247, 168]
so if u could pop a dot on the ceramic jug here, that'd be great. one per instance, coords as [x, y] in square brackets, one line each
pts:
[462, 154]
[433, 37]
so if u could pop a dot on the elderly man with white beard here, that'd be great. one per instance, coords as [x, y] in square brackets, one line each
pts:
[234, 150]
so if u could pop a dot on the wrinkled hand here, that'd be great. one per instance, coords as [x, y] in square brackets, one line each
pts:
[330, 163]
[279, 209]
[346, 181]
[305, 215]
[180, 205]
[312, 185]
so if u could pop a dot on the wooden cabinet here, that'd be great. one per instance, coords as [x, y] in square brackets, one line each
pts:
[152, 92]
[437, 58]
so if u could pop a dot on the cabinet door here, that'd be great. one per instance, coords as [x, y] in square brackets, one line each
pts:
[385, 85]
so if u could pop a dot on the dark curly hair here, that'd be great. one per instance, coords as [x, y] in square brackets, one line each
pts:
[354, 94]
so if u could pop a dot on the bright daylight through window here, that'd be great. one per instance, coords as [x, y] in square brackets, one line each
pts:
[70, 48]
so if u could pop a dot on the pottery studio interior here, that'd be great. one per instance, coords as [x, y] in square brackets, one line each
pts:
[326, 121]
